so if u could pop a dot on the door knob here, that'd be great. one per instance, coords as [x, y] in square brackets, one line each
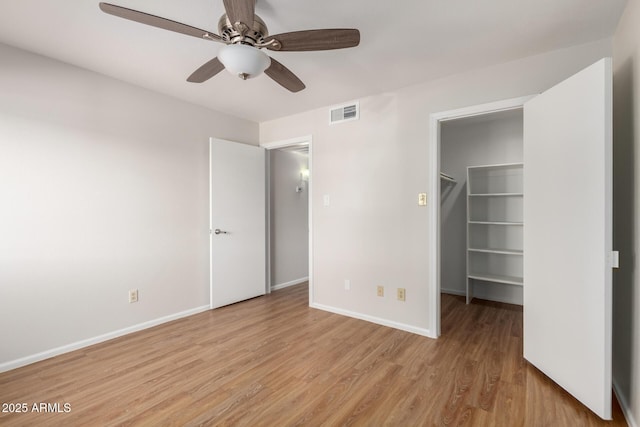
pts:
[218, 231]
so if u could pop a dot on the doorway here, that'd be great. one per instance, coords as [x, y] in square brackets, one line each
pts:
[288, 169]
[438, 121]
[481, 213]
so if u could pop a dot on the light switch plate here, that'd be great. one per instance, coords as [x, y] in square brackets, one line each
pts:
[615, 259]
[133, 295]
[422, 199]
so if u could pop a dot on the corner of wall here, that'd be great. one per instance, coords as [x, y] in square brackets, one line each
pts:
[626, 146]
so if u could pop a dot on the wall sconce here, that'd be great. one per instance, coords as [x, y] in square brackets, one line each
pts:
[304, 177]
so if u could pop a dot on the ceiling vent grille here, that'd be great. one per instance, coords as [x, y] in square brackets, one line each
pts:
[344, 113]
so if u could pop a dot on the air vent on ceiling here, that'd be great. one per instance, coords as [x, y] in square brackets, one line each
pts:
[344, 113]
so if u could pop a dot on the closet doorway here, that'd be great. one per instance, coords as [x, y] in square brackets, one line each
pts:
[451, 190]
[481, 213]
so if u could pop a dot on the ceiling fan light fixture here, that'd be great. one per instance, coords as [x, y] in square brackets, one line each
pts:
[244, 61]
[245, 34]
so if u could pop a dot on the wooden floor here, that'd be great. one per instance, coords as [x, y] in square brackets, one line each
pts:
[272, 361]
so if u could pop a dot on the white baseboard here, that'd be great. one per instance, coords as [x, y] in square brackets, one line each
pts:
[291, 283]
[373, 319]
[626, 410]
[27, 360]
[497, 298]
[508, 299]
[453, 292]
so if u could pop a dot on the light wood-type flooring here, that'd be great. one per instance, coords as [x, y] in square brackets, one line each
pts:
[273, 361]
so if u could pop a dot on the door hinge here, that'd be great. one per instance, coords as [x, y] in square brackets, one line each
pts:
[615, 259]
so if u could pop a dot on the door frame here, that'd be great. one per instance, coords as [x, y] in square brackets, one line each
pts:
[268, 146]
[435, 120]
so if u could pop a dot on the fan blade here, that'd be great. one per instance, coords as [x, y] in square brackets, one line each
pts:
[207, 71]
[156, 21]
[284, 77]
[240, 11]
[314, 40]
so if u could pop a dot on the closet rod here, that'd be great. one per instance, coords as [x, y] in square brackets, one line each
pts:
[447, 177]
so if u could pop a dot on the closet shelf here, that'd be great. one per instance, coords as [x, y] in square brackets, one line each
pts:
[497, 195]
[508, 280]
[494, 223]
[502, 251]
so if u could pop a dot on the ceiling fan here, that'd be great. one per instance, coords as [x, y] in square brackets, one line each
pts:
[245, 34]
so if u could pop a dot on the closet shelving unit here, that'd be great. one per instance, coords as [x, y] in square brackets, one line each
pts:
[494, 225]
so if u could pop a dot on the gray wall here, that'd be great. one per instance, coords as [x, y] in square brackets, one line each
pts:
[289, 213]
[626, 225]
[485, 140]
[103, 188]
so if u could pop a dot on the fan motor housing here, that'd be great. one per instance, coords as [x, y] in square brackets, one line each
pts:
[252, 36]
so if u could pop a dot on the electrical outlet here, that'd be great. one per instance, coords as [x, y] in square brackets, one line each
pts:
[380, 291]
[422, 199]
[401, 294]
[133, 295]
[347, 284]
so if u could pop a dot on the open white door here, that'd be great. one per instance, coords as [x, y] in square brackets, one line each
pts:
[568, 235]
[238, 233]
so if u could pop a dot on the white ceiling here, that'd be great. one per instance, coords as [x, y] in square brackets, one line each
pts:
[402, 42]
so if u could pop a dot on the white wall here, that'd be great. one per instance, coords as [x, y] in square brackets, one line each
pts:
[289, 218]
[626, 226]
[374, 232]
[486, 140]
[103, 188]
